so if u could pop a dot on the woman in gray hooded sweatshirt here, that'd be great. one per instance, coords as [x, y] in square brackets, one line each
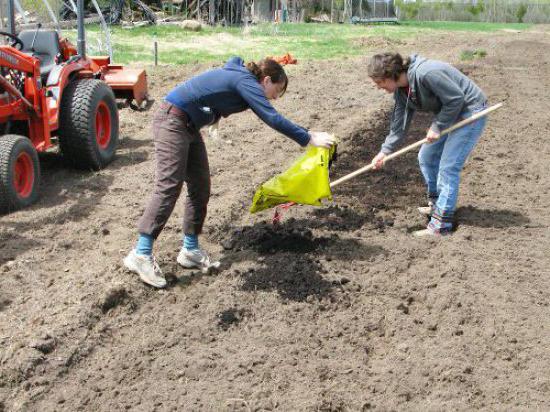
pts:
[431, 86]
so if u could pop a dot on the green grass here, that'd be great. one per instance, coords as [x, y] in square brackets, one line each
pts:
[304, 40]
[472, 54]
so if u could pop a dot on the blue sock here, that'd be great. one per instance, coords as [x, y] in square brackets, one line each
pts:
[145, 245]
[191, 242]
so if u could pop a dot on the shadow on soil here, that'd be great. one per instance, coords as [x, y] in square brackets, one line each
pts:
[60, 183]
[128, 153]
[71, 195]
[490, 218]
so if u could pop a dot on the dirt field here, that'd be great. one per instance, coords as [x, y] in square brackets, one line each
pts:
[338, 309]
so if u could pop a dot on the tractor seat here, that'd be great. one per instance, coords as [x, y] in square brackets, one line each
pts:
[45, 48]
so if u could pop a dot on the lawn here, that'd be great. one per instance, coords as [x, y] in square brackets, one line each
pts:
[303, 40]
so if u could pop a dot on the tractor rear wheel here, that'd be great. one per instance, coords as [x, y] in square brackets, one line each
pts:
[19, 173]
[88, 124]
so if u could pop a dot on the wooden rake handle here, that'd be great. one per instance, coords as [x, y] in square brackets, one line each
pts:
[406, 149]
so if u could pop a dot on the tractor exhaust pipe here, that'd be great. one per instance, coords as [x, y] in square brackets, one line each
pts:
[81, 40]
[11, 17]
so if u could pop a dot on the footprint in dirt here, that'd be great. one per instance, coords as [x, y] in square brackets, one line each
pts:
[231, 317]
[337, 218]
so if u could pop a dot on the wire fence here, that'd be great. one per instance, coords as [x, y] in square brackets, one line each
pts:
[502, 11]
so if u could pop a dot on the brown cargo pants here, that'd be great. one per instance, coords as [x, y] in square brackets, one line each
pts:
[180, 157]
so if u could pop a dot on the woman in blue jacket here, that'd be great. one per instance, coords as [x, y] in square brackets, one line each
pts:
[420, 84]
[181, 153]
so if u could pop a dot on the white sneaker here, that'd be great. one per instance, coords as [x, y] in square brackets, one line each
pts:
[146, 267]
[428, 232]
[426, 210]
[196, 258]
[425, 233]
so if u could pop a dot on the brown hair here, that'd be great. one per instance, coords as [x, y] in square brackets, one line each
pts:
[387, 66]
[269, 67]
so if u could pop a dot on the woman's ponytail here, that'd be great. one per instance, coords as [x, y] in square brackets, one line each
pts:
[255, 70]
[268, 67]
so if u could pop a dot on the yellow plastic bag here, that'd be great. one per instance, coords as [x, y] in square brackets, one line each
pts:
[305, 182]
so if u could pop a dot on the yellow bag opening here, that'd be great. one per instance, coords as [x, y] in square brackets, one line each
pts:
[305, 182]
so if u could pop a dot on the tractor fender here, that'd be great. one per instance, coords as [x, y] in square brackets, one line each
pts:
[54, 76]
[62, 75]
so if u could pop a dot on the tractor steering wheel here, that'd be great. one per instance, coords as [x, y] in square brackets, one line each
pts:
[15, 40]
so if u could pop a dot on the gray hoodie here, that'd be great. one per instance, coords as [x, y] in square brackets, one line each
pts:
[435, 87]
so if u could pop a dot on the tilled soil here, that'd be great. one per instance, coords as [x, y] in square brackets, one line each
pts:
[338, 308]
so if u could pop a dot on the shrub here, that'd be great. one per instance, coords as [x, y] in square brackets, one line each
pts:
[409, 9]
[477, 9]
[521, 11]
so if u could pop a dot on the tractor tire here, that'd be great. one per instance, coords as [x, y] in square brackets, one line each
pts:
[19, 173]
[88, 124]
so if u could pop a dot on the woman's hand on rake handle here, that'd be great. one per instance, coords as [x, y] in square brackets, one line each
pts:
[432, 136]
[378, 161]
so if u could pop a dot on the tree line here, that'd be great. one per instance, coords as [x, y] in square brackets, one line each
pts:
[505, 11]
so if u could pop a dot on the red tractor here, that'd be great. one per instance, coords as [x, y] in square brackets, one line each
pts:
[51, 93]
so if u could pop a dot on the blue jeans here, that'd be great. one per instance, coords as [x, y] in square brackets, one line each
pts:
[441, 163]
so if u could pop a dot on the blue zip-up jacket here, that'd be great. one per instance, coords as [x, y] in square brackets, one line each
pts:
[232, 89]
